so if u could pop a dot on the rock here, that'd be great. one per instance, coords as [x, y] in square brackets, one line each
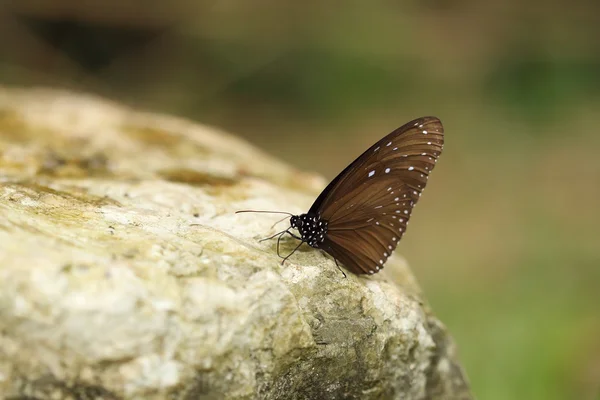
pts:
[126, 274]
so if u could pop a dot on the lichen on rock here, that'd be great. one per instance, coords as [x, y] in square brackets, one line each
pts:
[126, 273]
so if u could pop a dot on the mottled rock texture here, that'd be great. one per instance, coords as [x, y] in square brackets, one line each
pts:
[125, 273]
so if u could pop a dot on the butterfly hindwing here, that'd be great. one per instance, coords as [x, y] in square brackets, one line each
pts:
[368, 205]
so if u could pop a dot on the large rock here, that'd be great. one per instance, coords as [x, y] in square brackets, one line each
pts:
[126, 274]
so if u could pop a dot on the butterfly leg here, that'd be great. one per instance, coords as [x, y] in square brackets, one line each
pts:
[338, 265]
[289, 255]
[279, 240]
[294, 236]
[336, 262]
[278, 222]
[271, 237]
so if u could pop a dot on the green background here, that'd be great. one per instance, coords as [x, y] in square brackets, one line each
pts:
[505, 241]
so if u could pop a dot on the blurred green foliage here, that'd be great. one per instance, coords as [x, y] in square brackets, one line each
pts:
[505, 242]
[539, 89]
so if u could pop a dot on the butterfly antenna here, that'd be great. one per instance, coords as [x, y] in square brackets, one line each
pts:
[264, 211]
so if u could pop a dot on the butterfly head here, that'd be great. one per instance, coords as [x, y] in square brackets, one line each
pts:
[311, 227]
[295, 221]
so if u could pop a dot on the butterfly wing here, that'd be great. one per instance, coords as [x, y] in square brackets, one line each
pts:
[368, 205]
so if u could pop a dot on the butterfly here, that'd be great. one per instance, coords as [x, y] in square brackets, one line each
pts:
[363, 213]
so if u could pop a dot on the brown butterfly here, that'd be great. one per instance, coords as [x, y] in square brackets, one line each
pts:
[362, 214]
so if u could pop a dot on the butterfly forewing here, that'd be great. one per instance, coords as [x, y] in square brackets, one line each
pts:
[368, 205]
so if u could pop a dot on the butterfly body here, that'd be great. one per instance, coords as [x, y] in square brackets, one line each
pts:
[312, 228]
[360, 217]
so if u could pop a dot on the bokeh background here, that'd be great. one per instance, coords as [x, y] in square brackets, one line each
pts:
[505, 242]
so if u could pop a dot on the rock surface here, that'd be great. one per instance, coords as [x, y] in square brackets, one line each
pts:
[126, 274]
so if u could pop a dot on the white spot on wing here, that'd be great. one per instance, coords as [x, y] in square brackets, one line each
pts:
[411, 168]
[387, 170]
[371, 173]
